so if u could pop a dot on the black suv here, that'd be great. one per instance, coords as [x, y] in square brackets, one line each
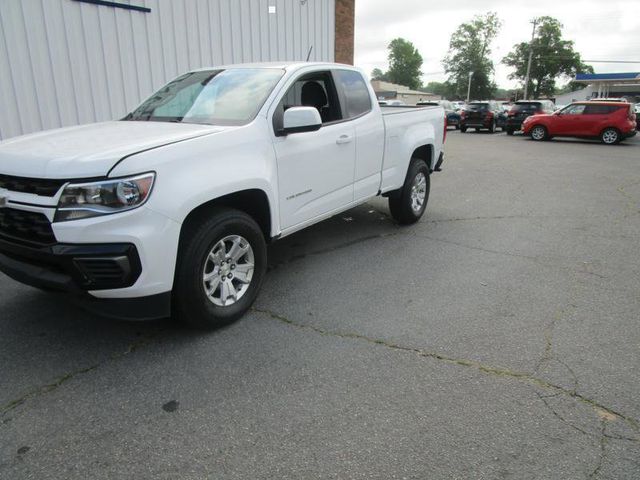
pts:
[523, 109]
[480, 115]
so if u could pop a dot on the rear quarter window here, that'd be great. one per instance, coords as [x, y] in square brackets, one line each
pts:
[357, 100]
[600, 109]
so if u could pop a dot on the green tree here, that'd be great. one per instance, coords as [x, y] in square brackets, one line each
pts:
[377, 74]
[569, 87]
[404, 64]
[437, 88]
[444, 89]
[469, 51]
[553, 57]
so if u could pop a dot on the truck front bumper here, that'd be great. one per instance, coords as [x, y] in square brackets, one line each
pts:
[76, 269]
[112, 264]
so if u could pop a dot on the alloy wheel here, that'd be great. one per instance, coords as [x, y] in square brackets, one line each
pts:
[418, 192]
[610, 136]
[538, 133]
[228, 270]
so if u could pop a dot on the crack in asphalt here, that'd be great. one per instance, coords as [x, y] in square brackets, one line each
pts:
[49, 387]
[603, 450]
[481, 367]
[487, 250]
[632, 202]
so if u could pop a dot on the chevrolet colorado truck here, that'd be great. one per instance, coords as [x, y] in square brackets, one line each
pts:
[168, 211]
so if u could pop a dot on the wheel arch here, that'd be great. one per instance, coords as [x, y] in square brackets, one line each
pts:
[424, 152]
[254, 202]
[610, 127]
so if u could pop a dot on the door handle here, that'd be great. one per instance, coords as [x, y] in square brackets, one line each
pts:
[344, 139]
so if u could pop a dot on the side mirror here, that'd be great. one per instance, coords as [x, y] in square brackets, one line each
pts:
[300, 119]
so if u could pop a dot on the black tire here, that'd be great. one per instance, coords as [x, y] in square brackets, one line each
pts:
[509, 131]
[477, 129]
[463, 129]
[610, 136]
[400, 201]
[535, 135]
[191, 304]
[457, 127]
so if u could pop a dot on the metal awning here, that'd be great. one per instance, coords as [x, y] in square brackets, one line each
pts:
[609, 78]
[604, 83]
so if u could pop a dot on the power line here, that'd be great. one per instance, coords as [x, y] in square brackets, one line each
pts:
[612, 61]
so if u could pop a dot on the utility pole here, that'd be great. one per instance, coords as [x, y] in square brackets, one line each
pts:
[469, 87]
[526, 80]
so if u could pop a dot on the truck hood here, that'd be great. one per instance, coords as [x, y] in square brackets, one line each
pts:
[89, 150]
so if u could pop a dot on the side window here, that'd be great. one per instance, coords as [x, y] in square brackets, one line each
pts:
[574, 110]
[357, 100]
[599, 109]
[314, 89]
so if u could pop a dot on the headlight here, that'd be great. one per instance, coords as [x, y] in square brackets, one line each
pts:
[83, 200]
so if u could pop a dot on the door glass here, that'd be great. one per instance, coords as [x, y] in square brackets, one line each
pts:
[574, 110]
[356, 93]
[314, 90]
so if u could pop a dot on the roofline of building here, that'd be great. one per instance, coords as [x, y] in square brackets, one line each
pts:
[610, 78]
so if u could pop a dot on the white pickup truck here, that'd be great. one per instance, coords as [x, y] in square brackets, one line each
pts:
[169, 210]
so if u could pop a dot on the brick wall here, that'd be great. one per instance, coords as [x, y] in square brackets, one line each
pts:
[345, 14]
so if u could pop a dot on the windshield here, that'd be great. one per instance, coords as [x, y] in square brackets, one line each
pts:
[527, 107]
[212, 97]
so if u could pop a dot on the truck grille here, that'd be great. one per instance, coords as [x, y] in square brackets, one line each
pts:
[25, 227]
[37, 186]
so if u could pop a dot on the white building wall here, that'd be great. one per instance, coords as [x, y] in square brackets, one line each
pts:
[65, 62]
[577, 96]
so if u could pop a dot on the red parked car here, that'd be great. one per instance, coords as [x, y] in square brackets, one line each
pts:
[611, 122]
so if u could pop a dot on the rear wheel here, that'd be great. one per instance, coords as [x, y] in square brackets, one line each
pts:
[408, 203]
[221, 265]
[463, 129]
[610, 136]
[539, 133]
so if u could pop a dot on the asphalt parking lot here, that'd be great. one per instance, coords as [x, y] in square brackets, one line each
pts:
[497, 338]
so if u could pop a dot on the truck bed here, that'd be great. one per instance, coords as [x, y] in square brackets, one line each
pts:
[406, 128]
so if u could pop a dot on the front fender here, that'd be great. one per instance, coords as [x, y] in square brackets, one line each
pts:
[193, 172]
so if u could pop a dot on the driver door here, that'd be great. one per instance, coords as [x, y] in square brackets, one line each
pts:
[315, 169]
[569, 121]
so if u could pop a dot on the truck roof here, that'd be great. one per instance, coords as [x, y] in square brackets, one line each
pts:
[281, 65]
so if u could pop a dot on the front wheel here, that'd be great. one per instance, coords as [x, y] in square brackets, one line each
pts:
[539, 133]
[222, 261]
[408, 203]
[610, 136]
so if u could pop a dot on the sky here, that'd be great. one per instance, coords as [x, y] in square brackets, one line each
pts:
[601, 30]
